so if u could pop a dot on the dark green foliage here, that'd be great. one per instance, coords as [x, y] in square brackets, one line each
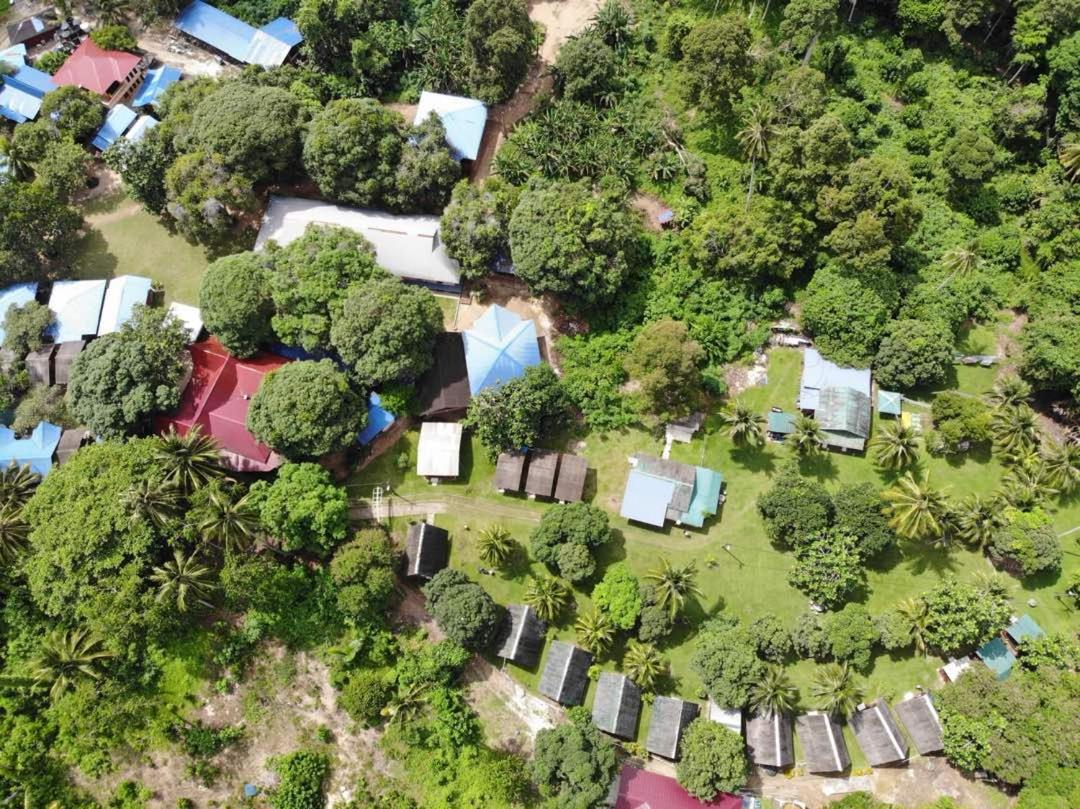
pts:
[857, 511]
[573, 763]
[300, 780]
[41, 403]
[475, 226]
[913, 354]
[969, 157]
[1027, 543]
[305, 510]
[575, 526]
[462, 608]
[24, 328]
[771, 638]
[713, 760]
[618, 595]
[114, 38]
[363, 572]
[795, 509]
[1057, 651]
[306, 409]
[63, 168]
[235, 302]
[426, 171]
[51, 61]
[851, 634]
[142, 164]
[726, 660]
[364, 696]
[574, 562]
[433, 664]
[1051, 787]
[716, 60]
[655, 623]
[961, 616]
[500, 46]
[519, 413]
[1051, 358]
[848, 315]
[959, 421]
[37, 231]
[203, 197]
[73, 111]
[586, 69]
[665, 363]
[593, 375]
[828, 568]
[804, 21]
[202, 741]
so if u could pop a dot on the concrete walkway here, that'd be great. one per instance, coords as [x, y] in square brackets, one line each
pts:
[398, 506]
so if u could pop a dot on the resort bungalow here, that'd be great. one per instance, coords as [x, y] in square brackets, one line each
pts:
[510, 472]
[838, 398]
[76, 308]
[922, 722]
[237, 41]
[641, 789]
[439, 452]
[521, 636]
[442, 393]
[878, 734]
[542, 473]
[138, 130]
[660, 490]
[64, 358]
[71, 441]
[617, 705]
[1022, 629]
[570, 485]
[670, 716]
[770, 741]
[462, 118]
[499, 347]
[35, 451]
[427, 550]
[21, 93]
[39, 365]
[111, 75]
[566, 673]
[822, 742]
[997, 656]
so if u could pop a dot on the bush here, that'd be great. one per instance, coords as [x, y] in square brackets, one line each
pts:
[234, 298]
[618, 595]
[364, 696]
[363, 572]
[462, 608]
[959, 421]
[300, 780]
[24, 328]
[829, 569]
[961, 616]
[852, 634]
[577, 524]
[655, 624]
[1027, 544]
[809, 638]
[726, 661]
[41, 403]
[114, 38]
[913, 354]
[50, 61]
[772, 639]
[857, 511]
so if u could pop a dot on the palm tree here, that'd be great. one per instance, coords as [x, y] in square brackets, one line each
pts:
[156, 503]
[13, 533]
[17, 484]
[182, 578]
[547, 596]
[774, 693]
[190, 461]
[644, 664]
[806, 436]
[1061, 465]
[1070, 160]
[18, 166]
[896, 447]
[916, 615]
[1015, 429]
[112, 12]
[977, 520]
[754, 139]
[494, 546]
[673, 584]
[916, 511]
[992, 585]
[836, 690]
[230, 523]
[69, 656]
[959, 261]
[407, 703]
[744, 425]
[595, 632]
[1009, 391]
[1025, 486]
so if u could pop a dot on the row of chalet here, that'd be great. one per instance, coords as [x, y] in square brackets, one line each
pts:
[542, 473]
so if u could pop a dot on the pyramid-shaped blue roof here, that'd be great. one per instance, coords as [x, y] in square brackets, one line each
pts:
[498, 348]
[35, 451]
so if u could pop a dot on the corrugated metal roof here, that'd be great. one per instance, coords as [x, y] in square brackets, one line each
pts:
[36, 451]
[123, 293]
[889, 402]
[646, 498]
[781, 423]
[268, 46]
[923, 724]
[76, 307]
[706, 497]
[94, 68]
[15, 56]
[157, 81]
[116, 124]
[141, 126]
[998, 657]
[641, 789]
[190, 316]
[463, 119]
[499, 347]
[17, 295]
[819, 373]
[285, 30]
[1025, 627]
[21, 94]
[439, 451]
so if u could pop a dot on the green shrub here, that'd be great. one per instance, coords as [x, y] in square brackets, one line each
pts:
[300, 780]
[364, 697]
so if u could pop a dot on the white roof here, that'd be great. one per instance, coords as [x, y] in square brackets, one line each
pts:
[462, 118]
[954, 668]
[729, 718]
[142, 125]
[190, 316]
[819, 373]
[121, 296]
[440, 450]
[407, 246]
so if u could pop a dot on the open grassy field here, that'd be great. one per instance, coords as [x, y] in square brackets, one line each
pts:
[739, 569]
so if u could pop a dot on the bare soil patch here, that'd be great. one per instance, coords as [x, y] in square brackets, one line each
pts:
[651, 207]
[170, 49]
[561, 20]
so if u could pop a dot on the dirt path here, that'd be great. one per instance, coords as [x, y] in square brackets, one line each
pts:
[397, 506]
[561, 20]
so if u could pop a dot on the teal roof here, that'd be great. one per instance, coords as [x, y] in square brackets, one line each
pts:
[996, 655]
[706, 499]
[1024, 629]
[783, 423]
[888, 402]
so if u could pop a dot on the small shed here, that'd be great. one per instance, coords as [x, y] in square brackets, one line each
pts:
[617, 705]
[923, 724]
[570, 487]
[443, 390]
[770, 740]
[116, 124]
[670, 716]
[566, 673]
[731, 718]
[822, 742]
[998, 657]
[878, 734]
[379, 420]
[190, 316]
[70, 443]
[540, 473]
[780, 424]
[510, 471]
[889, 403]
[439, 450]
[462, 118]
[952, 670]
[39, 365]
[142, 125]
[1024, 628]
[522, 636]
[427, 550]
[64, 358]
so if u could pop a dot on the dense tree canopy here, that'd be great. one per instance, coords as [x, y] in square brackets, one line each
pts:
[566, 536]
[726, 660]
[716, 58]
[962, 616]
[475, 225]
[73, 111]
[573, 763]
[462, 608]
[303, 508]
[518, 413]
[913, 354]
[37, 231]
[501, 43]
[795, 509]
[235, 303]
[713, 760]
[665, 362]
[24, 327]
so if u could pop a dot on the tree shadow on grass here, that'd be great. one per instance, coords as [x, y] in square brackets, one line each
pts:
[922, 557]
[753, 459]
[94, 259]
[821, 467]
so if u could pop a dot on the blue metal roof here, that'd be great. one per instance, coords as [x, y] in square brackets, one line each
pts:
[819, 373]
[498, 348]
[998, 657]
[121, 296]
[18, 295]
[1024, 629]
[14, 56]
[116, 123]
[236, 38]
[378, 420]
[646, 498]
[35, 451]
[463, 119]
[32, 81]
[284, 30]
[706, 498]
[139, 129]
[76, 307]
[21, 94]
[157, 82]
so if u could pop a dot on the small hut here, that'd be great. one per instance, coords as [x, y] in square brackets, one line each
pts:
[540, 473]
[889, 403]
[509, 472]
[998, 657]
[617, 705]
[439, 450]
[443, 390]
[770, 741]
[64, 358]
[521, 637]
[878, 734]
[70, 443]
[1022, 629]
[566, 673]
[920, 717]
[670, 716]
[822, 742]
[781, 425]
[570, 487]
[427, 550]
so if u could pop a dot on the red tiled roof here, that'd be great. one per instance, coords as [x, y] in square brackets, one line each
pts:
[217, 398]
[95, 69]
[639, 789]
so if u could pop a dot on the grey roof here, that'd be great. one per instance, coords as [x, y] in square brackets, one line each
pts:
[566, 673]
[427, 550]
[39, 365]
[70, 442]
[617, 705]
[570, 487]
[670, 716]
[521, 636]
[844, 413]
[878, 734]
[822, 742]
[540, 473]
[920, 717]
[509, 471]
[819, 373]
[63, 358]
[769, 739]
[684, 476]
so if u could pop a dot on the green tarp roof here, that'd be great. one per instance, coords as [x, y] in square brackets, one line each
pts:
[997, 656]
[1025, 629]
[782, 423]
[707, 486]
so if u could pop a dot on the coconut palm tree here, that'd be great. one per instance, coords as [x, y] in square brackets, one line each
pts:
[1015, 429]
[1009, 391]
[992, 585]
[156, 503]
[806, 437]
[407, 703]
[112, 12]
[18, 166]
[1061, 465]
[673, 584]
[977, 520]
[1025, 486]
[595, 632]
[68, 656]
[495, 546]
[644, 664]
[915, 510]
[774, 693]
[547, 596]
[836, 690]
[227, 521]
[754, 138]
[744, 425]
[959, 261]
[182, 579]
[1070, 160]
[17, 484]
[13, 533]
[896, 447]
[189, 461]
[916, 615]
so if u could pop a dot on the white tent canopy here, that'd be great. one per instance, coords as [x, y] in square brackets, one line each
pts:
[440, 450]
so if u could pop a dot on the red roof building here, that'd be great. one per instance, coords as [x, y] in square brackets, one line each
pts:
[640, 789]
[110, 74]
[218, 397]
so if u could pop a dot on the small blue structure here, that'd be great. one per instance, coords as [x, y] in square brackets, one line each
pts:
[157, 82]
[498, 348]
[116, 124]
[139, 129]
[463, 118]
[268, 46]
[665, 217]
[378, 421]
[35, 451]
[781, 424]
[18, 295]
[998, 657]
[889, 403]
[76, 308]
[15, 56]
[1024, 629]
[121, 296]
[21, 94]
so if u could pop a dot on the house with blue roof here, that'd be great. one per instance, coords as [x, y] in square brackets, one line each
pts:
[659, 490]
[379, 420]
[121, 296]
[998, 657]
[142, 125]
[14, 57]
[35, 451]
[157, 81]
[21, 93]
[463, 118]
[499, 347]
[116, 124]
[76, 308]
[268, 46]
[838, 398]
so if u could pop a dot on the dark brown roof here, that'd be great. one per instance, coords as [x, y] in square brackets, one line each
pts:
[70, 442]
[39, 365]
[35, 27]
[63, 358]
[427, 550]
[822, 742]
[540, 475]
[670, 716]
[922, 722]
[768, 737]
[443, 392]
[566, 673]
[521, 636]
[570, 487]
[509, 471]
[878, 735]
[617, 705]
